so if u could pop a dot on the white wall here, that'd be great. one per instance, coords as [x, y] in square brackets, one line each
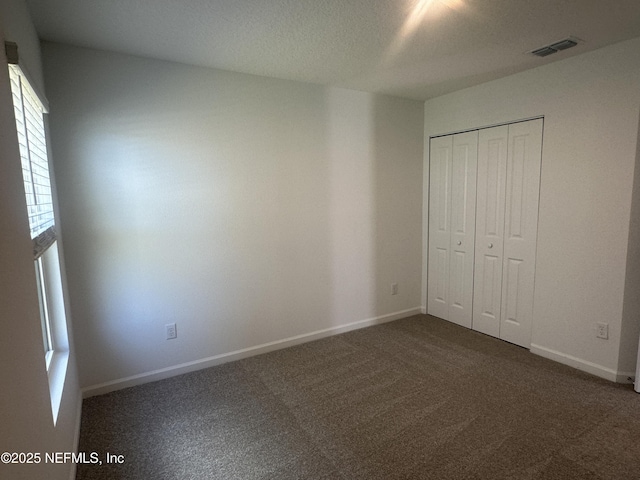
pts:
[26, 422]
[590, 105]
[17, 27]
[245, 209]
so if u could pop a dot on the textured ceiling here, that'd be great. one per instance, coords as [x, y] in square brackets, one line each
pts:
[411, 48]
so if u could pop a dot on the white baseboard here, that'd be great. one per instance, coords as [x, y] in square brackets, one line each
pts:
[423, 310]
[187, 367]
[584, 365]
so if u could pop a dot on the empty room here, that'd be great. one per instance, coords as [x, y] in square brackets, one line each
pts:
[387, 239]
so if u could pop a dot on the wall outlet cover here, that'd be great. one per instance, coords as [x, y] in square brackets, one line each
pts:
[602, 330]
[171, 331]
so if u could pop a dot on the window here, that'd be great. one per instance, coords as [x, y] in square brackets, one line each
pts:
[29, 113]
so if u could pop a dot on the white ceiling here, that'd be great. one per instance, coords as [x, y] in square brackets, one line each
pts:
[411, 48]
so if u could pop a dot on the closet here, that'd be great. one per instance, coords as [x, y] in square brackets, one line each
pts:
[483, 216]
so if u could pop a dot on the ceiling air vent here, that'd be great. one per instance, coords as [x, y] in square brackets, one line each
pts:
[564, 44]
[544, 51]
[555, 47]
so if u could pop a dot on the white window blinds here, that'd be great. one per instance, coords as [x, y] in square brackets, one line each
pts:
[35, 165]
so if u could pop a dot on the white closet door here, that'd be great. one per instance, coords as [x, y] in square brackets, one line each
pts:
[492, 168]
[440, 155]
[521, 231]
[463, 210]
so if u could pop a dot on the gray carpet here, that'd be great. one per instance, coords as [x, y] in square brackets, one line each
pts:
[415, 398]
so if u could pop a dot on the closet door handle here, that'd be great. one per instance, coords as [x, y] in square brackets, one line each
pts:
[459, 242]
[491, 245]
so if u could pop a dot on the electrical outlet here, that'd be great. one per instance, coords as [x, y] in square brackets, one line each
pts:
[603, 330]
[170, 329]
[394, 289]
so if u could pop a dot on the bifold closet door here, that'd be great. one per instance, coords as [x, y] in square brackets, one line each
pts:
[490, 205]
[521, 231]
[509, 159]
[452, 196]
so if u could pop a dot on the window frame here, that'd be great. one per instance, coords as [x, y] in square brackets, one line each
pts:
[45, 318]
[47, 265]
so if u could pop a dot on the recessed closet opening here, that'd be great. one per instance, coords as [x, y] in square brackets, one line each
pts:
[484, 188]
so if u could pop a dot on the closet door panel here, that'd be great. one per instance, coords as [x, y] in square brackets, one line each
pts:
[462, 240]
[521, 228]
[490, 211]
[441, 275]
[489, 288]
[440, 165]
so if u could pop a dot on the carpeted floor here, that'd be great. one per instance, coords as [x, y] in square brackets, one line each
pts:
[411, 399]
